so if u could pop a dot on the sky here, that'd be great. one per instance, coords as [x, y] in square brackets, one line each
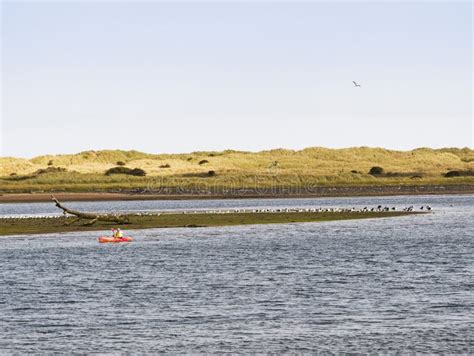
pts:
[190, 76]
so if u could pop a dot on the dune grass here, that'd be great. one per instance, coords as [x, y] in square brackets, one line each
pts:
[236, 170]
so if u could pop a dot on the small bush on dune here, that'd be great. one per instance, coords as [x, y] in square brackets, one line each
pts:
[204, 161]
[121, 163]
[452, 174]
[49, 170]
[199, 174]
[124, 170]
[137, 172]
[50, 163]
[37, 174]
[467, 173]
[117, 170]
[376, 171]
[396, 174]
[165, 166]
[17, 178]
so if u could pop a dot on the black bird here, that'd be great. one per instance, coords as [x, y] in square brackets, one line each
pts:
[355, 84]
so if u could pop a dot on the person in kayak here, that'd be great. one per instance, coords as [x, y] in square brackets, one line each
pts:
[118, 234]
[114, 232]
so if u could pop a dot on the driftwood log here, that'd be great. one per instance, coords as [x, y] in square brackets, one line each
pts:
[91, 217]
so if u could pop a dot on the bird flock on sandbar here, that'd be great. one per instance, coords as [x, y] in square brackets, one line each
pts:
[379, 208]
[366, 209]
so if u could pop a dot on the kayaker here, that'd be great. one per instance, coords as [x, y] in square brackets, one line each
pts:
[114, 232]
[119, 234]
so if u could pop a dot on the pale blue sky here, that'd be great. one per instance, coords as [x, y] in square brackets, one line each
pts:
[180, 77]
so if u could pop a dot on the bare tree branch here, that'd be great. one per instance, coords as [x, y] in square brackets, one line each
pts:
[92, 217]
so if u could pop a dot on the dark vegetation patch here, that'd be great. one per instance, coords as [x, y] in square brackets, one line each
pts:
[466, 173]
[380, 173]
[39, 172]
[124, 170]
[376, 171]
[120, 163]
[199, 174]
[165, 166]
[452, 174]
[203, 161]
[411, 175]
[16, 178]
[49, 170]
[215, 154]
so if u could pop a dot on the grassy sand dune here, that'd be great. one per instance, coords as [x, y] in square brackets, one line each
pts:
[234, 169]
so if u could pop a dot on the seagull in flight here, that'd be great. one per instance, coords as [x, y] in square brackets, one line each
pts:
[355, 84]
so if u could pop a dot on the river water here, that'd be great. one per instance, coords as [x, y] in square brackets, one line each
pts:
[385, 285]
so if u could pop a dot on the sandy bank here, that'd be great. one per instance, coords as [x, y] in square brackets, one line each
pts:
[336, 191]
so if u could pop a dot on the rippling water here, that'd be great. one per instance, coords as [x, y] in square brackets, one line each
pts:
[396, 284]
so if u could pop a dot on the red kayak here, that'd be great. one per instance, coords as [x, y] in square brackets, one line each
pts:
[104, 239]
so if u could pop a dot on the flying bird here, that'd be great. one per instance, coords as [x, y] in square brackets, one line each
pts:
[355, 84]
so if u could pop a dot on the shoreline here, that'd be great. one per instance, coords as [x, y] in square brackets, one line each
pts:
[317, 192]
